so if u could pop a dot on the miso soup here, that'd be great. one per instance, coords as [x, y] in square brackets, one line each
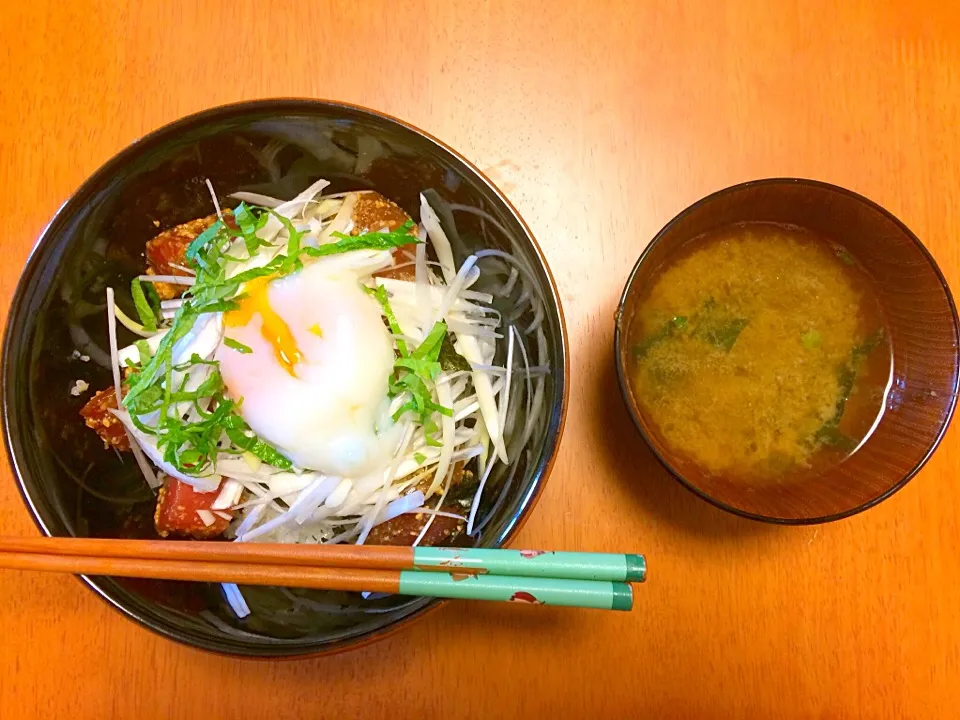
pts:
[760, 353]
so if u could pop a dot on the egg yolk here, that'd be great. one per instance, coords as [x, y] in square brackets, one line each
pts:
[274, 329]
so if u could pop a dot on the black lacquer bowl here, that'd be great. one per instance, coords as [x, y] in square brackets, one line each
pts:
[74, 487]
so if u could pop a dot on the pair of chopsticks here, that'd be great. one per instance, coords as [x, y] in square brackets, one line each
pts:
[574, 579]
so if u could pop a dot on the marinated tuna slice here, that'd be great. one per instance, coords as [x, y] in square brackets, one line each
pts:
[96, 414]
[167, 253]
[374, 213]
[184, 512]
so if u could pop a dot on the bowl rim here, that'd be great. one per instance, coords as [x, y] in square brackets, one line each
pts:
[169, 131]
[624, 385]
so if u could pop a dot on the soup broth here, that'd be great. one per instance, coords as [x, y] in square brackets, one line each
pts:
[760, 353]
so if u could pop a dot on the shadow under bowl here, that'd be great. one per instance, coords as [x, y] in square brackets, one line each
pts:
[72, 486]
[923, 330]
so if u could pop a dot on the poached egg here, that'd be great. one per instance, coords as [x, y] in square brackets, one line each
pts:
[313, 377]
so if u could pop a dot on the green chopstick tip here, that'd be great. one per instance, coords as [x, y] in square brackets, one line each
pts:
[636, 568]
[621, 596]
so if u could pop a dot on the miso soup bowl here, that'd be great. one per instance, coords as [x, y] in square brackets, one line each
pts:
[921, 318]
[73, 487]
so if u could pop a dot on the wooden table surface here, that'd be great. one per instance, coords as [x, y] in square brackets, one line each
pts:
[600, 120]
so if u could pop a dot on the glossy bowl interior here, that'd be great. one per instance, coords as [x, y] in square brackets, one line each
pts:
[920, 315]
[74, 487]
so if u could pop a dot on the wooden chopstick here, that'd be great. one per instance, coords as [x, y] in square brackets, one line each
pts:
[333, 556]
[386, 581]
[521, 563]
[326, 568]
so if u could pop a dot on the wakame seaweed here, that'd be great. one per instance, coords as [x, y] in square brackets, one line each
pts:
[676, 323]
[722, 335]
[829, 433]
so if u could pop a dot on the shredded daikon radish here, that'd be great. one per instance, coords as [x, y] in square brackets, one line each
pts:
[529, 382]
[268, 526]
[532, 413]
[347, 535]
[216, 204]
[206, 517]
[235, 600]
[112, 333]
[468, 347]
[482, 297]
[454, 289]
[475, 503]
[319, 495]
[292, 208]
[488, 349]
[473, 308]
[403, 296]
[475, 320]
[131, 353]
[503, 494]
[287, 483]
[388, 478]
[535, 371]
[340, 220]
[422, 280]
[169, 279]
[152, 480]
[326, 207]
[447, 434]
[400, 506]
[274, 228]
[255, 489]
[439, 513]
[258, 501]
[466, 454]
[336, 498]
[229, 495]
[131, 325]
[249, 521]
[461, 327]
[426, 525]
[411, 261]
[505, 395]
[257, 199]
[464, 411]
[537, 393]
[472, 276]
[438, 238]
[458, 384]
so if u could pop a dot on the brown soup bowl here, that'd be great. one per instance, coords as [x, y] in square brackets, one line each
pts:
[923, 330]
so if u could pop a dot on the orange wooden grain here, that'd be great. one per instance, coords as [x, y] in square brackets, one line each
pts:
[293, 575]
[601, 120]
[358, 557]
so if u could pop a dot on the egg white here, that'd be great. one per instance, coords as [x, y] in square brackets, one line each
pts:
[326, 417]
